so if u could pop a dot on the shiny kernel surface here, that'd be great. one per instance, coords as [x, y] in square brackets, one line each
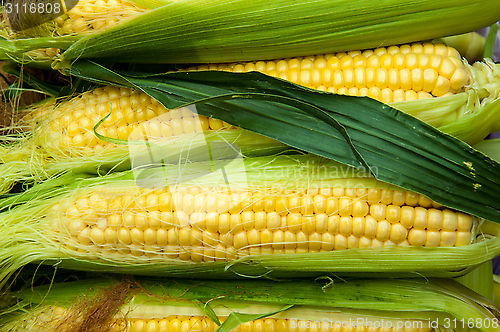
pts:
[399, 73]
[212, 223]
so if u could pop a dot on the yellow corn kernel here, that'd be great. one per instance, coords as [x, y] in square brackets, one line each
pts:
[175, 223]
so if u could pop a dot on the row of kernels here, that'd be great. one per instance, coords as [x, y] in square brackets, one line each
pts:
[367, 80]
[435, 220]
[284, 325]
[384, 95]
[237, 237]
[254, 199]
[427, 48]
[225, 252]
[378, 58]
[171, 324]
[223, 222]
[327, 241]
[398, 197]
[291, 203]
[427, 238]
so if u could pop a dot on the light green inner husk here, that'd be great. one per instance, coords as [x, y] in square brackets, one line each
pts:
[480, 280]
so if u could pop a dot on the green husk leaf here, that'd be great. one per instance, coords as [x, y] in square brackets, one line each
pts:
[387, 140]
[240, 27]
[196, 31]
[235, 319]
[489, 46]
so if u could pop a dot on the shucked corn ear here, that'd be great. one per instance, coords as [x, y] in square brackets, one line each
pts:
[392, 74]
[381, 305]
[61, 136]
[245, 209]
[68, 128]
[182, 31]
[205, 224]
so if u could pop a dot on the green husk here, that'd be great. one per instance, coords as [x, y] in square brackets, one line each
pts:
[196, 31]
[27, 235]
[485, 118]
[491, 40]
[434, 302]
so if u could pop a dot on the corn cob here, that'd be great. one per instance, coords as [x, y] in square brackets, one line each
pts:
[61, 136]
[83, 18]
[185, 323]
[400, 76]
[392, 74]
[271, 207]
[238, 306]
[133, 115]
[212, 224]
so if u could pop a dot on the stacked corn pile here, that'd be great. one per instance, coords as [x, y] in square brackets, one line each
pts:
[248, 156]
